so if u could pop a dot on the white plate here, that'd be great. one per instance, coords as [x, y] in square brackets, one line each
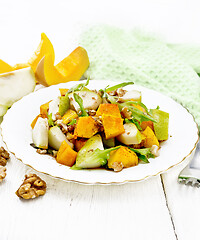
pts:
[16, 132]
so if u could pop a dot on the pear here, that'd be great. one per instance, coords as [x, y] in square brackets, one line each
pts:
[63, 104]
[14, 85]
[86, 157]
[40, 133]
[131, 135]
[108, 143]
[54, 107]
[56, 137]
[133, 95]
[161, 124]
[91, 100]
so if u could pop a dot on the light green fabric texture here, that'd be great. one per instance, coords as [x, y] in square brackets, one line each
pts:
[189, 53]
[117, 54]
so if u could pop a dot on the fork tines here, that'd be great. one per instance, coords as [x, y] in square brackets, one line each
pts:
[190, 181]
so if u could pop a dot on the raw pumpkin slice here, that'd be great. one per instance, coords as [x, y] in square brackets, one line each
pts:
[20, 66]
[5, 67]
[69, 69]
[73, 66]
[45, 47]
[46, 73]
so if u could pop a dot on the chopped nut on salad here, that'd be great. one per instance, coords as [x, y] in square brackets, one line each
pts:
[110, 128]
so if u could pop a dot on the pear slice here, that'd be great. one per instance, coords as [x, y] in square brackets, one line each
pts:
[40, 133]
[91, 100]
[161, 124]
[63, 104]
[131, 135]
[56, 137]
[133, 95]
[54, 107]
[85, 157]
[108, 143]
[14, 85]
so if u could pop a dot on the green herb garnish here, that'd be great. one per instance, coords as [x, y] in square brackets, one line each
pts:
[79, 100]
[72, 122]
[143, 154]
[78, 87]
[133, 121]
[136, 113]
[50, 120]
[113, 88]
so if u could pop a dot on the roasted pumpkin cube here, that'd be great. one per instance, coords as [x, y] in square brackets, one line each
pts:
[66, 155]
[44, 109]
[63, 91]
[113, 126]
[151, 138]
[146, 124]
[86, 127]
[68, 116]
[79, 143]
[123, 155]
[108, 109]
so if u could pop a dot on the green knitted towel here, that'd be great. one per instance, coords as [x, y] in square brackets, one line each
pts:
[117, 54]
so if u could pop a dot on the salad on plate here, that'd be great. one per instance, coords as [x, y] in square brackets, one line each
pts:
[109, 128]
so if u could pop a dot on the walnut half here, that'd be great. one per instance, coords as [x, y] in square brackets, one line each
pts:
[2, 173]
[4, 156]
[32, 187]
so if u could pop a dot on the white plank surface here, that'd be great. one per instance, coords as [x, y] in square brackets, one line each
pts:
[72, 211]
[183, 203]
[84, 212]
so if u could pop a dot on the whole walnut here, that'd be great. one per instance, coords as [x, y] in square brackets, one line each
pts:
[32, 187]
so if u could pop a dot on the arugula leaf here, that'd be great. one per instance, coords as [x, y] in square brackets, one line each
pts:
[140, 104]
[133, 121]
[50, 120]
[112, 99]
[78, 87]
[72, 122]
[110, 89]
[143, 154]
[79, 100]
[104, 94]
[136, 113]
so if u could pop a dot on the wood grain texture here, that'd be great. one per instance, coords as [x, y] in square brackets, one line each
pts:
[183, 202]
[79, 211]
[72, 211]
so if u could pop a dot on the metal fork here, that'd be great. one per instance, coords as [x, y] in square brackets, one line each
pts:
[190, 175]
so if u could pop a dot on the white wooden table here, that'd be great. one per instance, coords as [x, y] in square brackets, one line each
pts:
[156, 209]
